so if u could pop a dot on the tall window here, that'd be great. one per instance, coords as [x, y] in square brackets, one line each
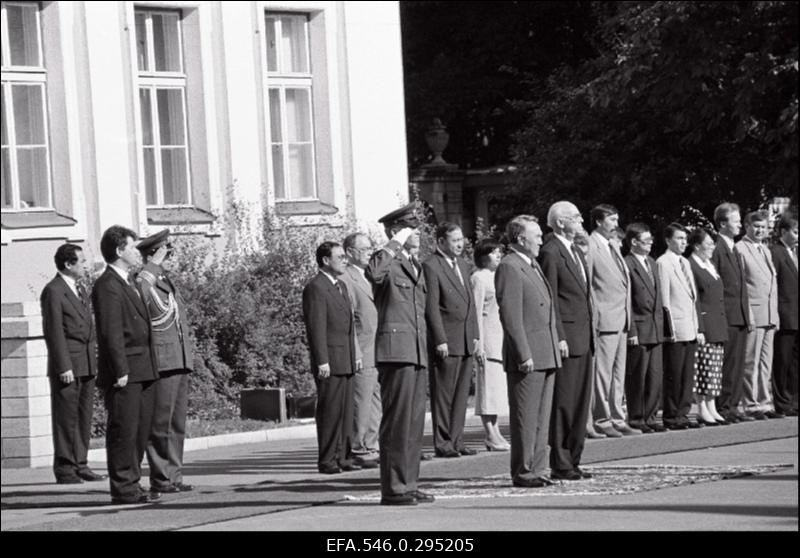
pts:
[24, 144]
[162, 100]
[289, 82]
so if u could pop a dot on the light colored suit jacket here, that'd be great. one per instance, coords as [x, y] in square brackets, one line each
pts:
[610, 286]
[366, 315]
[678, 295]
[762, 282]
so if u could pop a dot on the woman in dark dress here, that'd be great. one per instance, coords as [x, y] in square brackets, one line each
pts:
[711, 310]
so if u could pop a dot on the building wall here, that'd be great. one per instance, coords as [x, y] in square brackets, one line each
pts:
[357, 52]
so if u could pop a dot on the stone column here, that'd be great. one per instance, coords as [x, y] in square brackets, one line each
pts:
[26, 424]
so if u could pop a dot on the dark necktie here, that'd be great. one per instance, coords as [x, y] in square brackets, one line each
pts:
[617, 259]
[578, 262]
[687, 277]
[83, 295]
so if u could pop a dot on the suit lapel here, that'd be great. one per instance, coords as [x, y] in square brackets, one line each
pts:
[337, 296]
[132, 295]
[572, 265]
[642, 272]
[360, 281]
[79, 306]
[451, 274]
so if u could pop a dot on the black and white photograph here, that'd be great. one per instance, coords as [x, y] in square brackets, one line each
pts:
[399, 276]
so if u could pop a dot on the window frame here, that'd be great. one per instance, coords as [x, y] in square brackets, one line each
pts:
[24, 75]
[153, 80]
[281, 80]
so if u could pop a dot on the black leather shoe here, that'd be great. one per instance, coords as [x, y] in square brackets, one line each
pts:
[547, 482]
[570, 475]
[741, 417]
[468, 451]
[774, 415]
[448, 453]
[136, 498]
[420, 496]
[169, 489]
[698, 424]
[676, 426]
[528, 483]
[350, 467]
[367, 463]
[645, 429]
[655, 427]
[329, 469]
[69, 480]
[758, 415]
[704, 422]
[89, 475]
[183, 487]
[791, 413]
[582, 473]
[399, 500]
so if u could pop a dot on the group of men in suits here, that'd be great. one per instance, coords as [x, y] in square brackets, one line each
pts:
[139, 348]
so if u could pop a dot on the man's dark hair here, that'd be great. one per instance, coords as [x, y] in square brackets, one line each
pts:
[723, 210]
[633, 232]
[602, 211]
[672, 228]
[788, 221]
[66, 254]
[445, 228]
[754, 216]
[482, 251]
[116, 236]
[325, 250]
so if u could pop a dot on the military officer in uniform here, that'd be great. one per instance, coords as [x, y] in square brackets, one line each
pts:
[400, 356]
[174, 352]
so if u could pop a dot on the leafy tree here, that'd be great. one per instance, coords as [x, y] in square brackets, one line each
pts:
[686, 103]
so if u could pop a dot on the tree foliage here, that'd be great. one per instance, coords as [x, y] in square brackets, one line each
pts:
[684, 103]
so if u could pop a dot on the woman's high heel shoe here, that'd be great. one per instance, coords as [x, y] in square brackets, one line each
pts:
[701, 420]
[491, 447]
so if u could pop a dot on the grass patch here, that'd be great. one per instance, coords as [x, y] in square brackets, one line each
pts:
[198, 428]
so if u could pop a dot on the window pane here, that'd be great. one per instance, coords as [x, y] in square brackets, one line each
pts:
[34, 187]
[165, 43]
[6, 164]
[272, 54]
[298, 115]
[275, 114]
[27, 101]
[23, 35]
[141, 41]
[150, 176]
[173, 172]
[4, 139]
[170, 116]
[146, 115]
[293, 45]
[300, 175]
[277, 172]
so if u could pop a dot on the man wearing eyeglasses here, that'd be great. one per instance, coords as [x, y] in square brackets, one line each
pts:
[366, 390]
[644, 369]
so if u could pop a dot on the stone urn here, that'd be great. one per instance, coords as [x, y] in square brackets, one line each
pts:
[437, 138]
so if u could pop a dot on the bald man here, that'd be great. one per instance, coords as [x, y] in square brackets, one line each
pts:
[566, 270]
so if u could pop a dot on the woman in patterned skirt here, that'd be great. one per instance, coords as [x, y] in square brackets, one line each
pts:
[711, 308]
[491, 394]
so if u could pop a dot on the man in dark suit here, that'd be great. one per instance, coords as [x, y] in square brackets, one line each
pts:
[453, 330]
[644, 366]
[401, 355]
[530, 350]
[127, 367]
[784, 368]
[566, 271]
[366, 390]
[174, 352]
[71, 365]
[332, 347]
[727, 261]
